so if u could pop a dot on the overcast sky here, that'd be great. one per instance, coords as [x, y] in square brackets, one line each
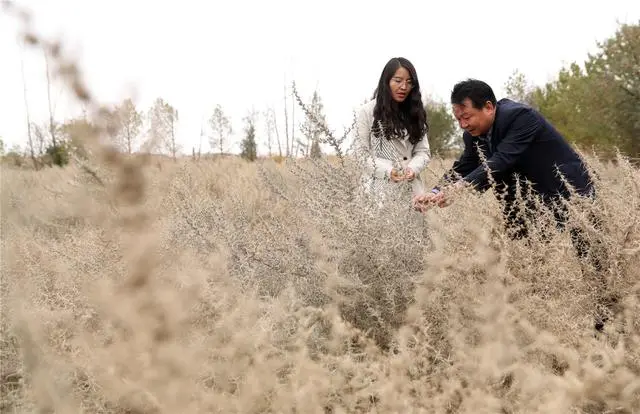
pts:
[239, 54]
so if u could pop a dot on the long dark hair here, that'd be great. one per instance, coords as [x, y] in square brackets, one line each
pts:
[394, 116]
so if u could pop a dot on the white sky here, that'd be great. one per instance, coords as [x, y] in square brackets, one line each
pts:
[196, 54]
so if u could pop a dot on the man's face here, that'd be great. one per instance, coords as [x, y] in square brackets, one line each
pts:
[475, 121]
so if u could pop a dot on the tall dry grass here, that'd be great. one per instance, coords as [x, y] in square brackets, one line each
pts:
[225, 286]
[213, 294]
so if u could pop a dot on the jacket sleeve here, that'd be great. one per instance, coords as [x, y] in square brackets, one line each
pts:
[466, 163]
[421, 156]
[517, 140]
[365, 153]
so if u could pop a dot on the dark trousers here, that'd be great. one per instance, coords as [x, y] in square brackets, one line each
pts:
[590, 250]
[518, 220]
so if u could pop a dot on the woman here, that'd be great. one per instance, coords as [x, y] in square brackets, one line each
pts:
[391, 131]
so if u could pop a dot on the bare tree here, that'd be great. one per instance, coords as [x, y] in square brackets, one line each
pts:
[221, 129]
[130, 122]
[310, 128]
[248, 145]
[39, 138]
[200, 141]
[286, 123]
[31, 148]
[271, 127]
[268, 129]
[52, 128]
[293, 122]
[163, 121]
[275, 128]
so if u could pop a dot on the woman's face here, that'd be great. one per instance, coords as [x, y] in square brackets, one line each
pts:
[400, 85]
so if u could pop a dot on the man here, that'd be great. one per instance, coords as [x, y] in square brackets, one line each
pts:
[520, 148]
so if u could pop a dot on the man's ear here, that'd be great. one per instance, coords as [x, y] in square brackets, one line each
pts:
[489, 106]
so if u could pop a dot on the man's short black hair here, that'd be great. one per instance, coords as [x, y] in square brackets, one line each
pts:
[477, 91]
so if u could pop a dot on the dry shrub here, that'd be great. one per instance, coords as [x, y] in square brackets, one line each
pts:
[250, 301]
[369, 255]
[225, 286]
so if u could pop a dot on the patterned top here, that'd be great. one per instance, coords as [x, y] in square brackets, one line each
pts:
[379, 156]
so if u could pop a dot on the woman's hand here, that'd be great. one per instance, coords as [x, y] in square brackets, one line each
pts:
[396, 176]
[409, 175]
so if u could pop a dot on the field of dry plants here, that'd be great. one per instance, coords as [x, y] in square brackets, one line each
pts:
[235, 287]
[225, 286]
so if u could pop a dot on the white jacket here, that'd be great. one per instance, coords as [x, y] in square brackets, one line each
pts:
[379, 156]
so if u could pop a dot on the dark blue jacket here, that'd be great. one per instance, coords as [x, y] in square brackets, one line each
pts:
[523, 143]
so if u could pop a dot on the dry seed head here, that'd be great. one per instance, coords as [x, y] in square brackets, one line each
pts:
[81, 91]
[31, 39]
[131, 183]
[54, 49]
[67, 69]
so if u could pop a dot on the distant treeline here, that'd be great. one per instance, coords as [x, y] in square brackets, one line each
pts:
[595, 104]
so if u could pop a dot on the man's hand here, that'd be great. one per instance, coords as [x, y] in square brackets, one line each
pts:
[445, 198]
[423, 202]
[440, 198]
